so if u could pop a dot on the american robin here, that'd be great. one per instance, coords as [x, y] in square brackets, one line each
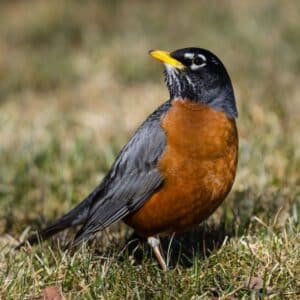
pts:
[178, 166]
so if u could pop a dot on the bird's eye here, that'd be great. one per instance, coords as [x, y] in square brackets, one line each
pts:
[199, 61]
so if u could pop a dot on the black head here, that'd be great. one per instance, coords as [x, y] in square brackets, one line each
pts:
[198, 75]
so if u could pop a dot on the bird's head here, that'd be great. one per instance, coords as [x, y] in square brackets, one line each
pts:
[198, 75]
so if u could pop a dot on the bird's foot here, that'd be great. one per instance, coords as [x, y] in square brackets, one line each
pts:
[154, 243]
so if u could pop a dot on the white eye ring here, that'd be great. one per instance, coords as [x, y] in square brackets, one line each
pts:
[195, 66]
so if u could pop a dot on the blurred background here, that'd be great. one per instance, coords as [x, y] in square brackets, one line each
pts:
[76, 80]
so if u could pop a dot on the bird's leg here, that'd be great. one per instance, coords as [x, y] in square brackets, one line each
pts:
[154, 243]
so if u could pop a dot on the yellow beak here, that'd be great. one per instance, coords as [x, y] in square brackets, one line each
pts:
[166, 58]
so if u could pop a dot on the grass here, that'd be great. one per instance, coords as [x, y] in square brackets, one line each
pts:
[75, 81]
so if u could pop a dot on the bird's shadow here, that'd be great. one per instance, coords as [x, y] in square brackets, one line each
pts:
[182, 249]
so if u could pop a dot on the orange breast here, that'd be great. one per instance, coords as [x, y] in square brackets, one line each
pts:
[198, 165]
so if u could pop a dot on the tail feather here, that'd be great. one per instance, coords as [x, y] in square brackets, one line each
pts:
[76, 216]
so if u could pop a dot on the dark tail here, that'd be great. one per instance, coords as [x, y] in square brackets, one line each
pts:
[76, 216]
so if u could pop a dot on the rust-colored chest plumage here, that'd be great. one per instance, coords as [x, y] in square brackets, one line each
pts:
[198, 165]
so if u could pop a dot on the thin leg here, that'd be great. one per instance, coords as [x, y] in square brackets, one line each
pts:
[154, 242]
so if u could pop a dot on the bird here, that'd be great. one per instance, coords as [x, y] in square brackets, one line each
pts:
[178, 166]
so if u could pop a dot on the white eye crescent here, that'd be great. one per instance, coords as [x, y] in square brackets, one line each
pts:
[198, 62]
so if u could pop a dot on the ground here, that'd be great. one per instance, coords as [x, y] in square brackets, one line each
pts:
[76, 80]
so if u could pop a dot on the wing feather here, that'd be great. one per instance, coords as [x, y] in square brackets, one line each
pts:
[132, 180]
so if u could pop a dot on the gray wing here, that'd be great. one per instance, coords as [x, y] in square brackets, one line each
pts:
[132, 180]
